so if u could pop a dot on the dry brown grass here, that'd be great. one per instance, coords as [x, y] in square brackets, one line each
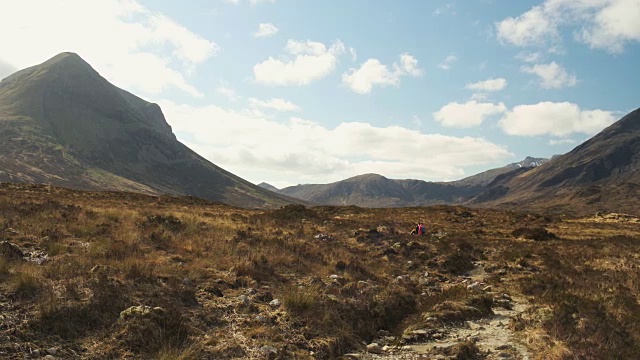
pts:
[108, 251]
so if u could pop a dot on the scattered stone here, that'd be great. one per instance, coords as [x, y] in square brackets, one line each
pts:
[323, 237]
[36, 353]
[49, 357]
[420, 332]
[244, 299]
[140, 311]
[262, 319]
[374, 348]
[505, 355]
[352, 356]
[275, 302]
[473, 286]
[269, 351]
[52, 351]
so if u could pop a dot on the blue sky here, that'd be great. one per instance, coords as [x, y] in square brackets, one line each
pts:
[293, 91]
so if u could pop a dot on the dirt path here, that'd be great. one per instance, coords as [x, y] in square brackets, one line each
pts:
[491, 335]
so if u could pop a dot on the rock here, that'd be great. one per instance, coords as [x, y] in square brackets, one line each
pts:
[275, 302]
[11, 251]
[244, 299]
[505, 355]
[352, 356]
[487, 288]
[374, 348]
[262, 319]
[140, 311]
[52, 351]
[473, 286]
[49, 357]
[36, 353]
[323, 237]
[269, 351]
[503, 347]
[188, 282]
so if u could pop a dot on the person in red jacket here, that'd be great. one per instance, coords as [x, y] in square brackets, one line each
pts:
[420, 229]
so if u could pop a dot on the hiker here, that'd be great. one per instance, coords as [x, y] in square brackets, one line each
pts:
[420, 229]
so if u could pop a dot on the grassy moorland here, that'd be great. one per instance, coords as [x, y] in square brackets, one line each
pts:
[118, 275]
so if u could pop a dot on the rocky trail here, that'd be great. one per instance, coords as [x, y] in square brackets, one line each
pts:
[487, 338]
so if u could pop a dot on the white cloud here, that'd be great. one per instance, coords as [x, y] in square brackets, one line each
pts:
[557, 119]
[488, 85]
[448, 62]
[552, 75]
[228, 93]
[534, 27]
[275, 104]
[601, 24]
[469, 114]
[561, 141]
[266, 30]
[353, 53]
[298, 150]
[307, 61]
[530, 57]
[372, 72]
[140, 50]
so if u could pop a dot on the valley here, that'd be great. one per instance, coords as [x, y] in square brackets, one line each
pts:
[102, 275]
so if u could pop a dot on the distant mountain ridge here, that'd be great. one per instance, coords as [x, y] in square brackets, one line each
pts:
[61, 123]
[373, 190]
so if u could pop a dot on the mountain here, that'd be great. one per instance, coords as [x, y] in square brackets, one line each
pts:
[61, 123]
[269, 187]
[485, 177]
[603, 173]
[373, 190]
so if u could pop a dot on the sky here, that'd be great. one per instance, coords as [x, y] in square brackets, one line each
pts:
[306, 91]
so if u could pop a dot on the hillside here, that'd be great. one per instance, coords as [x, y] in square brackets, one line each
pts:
[486, 177]
[601, 174]
[373, 190]
[61, 123]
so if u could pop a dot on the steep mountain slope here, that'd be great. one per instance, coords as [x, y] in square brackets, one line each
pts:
[268, 186]
[485, 177]
[62, 123]
[603, 173]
